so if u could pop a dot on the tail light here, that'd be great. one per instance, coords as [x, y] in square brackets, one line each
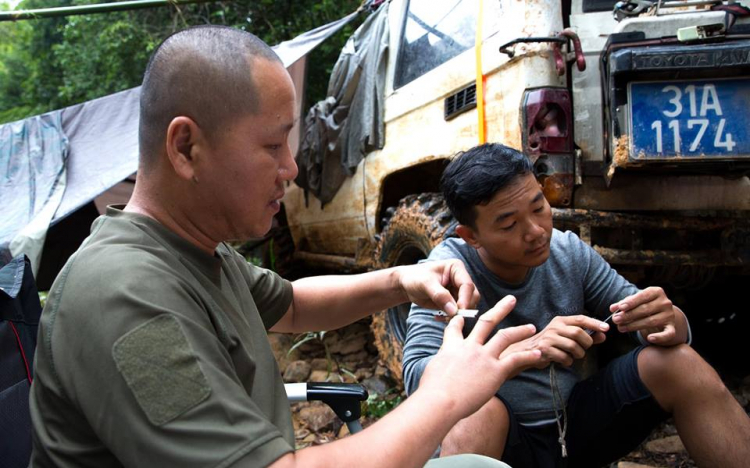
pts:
[547, 126]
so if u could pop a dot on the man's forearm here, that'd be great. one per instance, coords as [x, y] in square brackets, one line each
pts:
[406, 437]
[330, 302]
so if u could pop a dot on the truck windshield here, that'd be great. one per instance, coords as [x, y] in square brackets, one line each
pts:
[434, 32]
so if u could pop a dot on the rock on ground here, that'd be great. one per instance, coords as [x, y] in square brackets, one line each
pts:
[297, 371]
[671, 444]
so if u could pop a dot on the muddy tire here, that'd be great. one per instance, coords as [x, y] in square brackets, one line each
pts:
[418, 224]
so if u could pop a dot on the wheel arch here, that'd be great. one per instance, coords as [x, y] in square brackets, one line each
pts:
[423, 177]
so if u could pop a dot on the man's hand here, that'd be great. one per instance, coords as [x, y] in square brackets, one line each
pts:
[443, 285]
[565, 339]
[650, 312]
[467, 372]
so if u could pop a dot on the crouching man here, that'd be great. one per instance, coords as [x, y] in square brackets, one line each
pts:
[549, 415]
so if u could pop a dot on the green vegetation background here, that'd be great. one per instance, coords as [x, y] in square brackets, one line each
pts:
[47, 64]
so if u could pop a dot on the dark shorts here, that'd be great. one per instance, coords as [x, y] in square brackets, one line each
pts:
[610, 414]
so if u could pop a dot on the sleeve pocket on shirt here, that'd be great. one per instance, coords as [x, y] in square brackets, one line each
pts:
[161, 369]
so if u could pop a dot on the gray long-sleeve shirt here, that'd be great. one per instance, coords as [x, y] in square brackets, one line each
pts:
[574, 280]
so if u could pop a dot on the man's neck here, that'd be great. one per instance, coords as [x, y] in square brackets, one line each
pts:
[507, 273]
[171, 217]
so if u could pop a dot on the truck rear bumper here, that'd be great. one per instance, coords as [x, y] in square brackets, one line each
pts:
[662, 239]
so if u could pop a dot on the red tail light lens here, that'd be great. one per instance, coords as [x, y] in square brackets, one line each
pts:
[547, 122]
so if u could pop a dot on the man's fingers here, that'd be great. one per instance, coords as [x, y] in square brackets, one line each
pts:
[458, 279]
[440, 297]
[664, 336]
[599, 337]
[649, 321]
[475, 296]
[458, 274]
[580, 336]
[636, 313]
[466, 296]
[488, 320]
[574, 348]
[453, 334]
[641, 297]
[507, 336]
[587, 323]
[454, 279]
[519, 360]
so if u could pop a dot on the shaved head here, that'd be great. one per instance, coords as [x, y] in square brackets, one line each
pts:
[204, 73]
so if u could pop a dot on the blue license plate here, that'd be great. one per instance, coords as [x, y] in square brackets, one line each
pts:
[689, 120]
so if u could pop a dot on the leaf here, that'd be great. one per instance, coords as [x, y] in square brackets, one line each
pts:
[307, 337]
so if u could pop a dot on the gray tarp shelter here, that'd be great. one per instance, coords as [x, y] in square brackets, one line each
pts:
[53, 164]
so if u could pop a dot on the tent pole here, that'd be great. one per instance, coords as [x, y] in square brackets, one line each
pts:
[91, 9]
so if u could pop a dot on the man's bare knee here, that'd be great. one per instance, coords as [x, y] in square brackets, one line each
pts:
[484, 432]
[676, 372]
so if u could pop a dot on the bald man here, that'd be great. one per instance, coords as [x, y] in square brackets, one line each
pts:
[153, 348]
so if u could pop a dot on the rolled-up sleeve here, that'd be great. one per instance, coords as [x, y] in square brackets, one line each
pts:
[424, 337]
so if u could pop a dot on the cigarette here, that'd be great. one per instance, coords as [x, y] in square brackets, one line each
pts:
[444, 317]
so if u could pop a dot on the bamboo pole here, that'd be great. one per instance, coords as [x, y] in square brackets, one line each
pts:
[91, 9]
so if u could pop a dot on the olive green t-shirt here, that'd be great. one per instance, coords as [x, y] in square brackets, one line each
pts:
[153, 353]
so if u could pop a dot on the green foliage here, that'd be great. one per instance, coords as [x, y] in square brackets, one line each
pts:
[378, 405]
[14, 70]
[303, 338]
[271, 255]
[16, 113]
[116, 64]
[43, 297]
[51, 63]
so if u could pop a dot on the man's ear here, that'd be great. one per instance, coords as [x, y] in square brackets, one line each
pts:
[468, 235]
[183, 139]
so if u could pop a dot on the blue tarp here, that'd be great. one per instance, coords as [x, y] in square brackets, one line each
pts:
[33, 161]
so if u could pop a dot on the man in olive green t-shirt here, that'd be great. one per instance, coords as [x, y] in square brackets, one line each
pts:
[152, 349]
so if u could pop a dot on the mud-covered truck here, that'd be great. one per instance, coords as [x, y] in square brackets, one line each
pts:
[634, 113]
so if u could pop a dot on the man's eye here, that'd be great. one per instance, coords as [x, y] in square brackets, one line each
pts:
[508, 228]
[273, 147]
[539, 210]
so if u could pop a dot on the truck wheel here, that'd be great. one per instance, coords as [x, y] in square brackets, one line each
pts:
[419, 224]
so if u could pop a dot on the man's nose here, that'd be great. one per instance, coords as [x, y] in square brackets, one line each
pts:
[534, 231]
[288, 169]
